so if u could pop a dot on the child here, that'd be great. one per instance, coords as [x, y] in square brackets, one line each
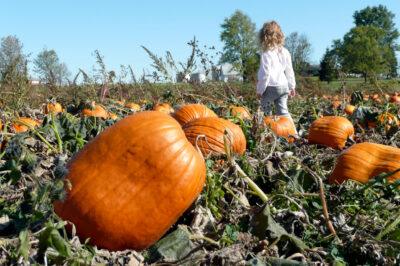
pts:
[275, 76]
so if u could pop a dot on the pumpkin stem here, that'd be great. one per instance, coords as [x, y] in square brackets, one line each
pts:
[197, 144]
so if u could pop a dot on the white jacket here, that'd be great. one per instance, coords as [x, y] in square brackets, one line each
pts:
[275, 70]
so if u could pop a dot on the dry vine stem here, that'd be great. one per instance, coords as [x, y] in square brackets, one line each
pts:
[256, 189]
[323, 200]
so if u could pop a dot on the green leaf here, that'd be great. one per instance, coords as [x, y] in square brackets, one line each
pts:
[174, 246]
[51, 238]
[24, 246]
[264, 225]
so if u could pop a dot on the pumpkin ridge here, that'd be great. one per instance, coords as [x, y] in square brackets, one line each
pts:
[127, 178]
[141, 126]
[142, 188]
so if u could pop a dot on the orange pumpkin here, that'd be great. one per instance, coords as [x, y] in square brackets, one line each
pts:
[52, 108]
[282, 126]
[112, 116]
[191, 112]
[23, 124]
[349, 109]
[336, 104]
[388, 120]
[122, 102]
[213, 129]
[240, 112]
[331, 131]
[133, 107]
[362, 161]
[375, 96]
[96, 110]
[326, 97]
[164, 107]
[395, 99]
[132, 182]
[378, 100]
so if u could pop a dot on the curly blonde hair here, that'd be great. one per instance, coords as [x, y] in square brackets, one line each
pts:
[271, 36]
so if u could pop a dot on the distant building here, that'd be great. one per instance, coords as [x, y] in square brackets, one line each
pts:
[35, 82]
[180, 77]
[198, 78]
[226, 72]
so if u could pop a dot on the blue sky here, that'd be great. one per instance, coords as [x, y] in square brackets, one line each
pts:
[118, 28]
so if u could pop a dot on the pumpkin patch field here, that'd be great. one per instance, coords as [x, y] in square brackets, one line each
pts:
[201, 177]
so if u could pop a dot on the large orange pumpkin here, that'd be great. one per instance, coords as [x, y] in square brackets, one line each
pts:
[282, 126]
[213, 129]
[23, 124]
[365, 160]
[240, 112]
[96, 110]
[331, 131]
[163, 107]
[132, 182]
[191, 112]
[52, 108]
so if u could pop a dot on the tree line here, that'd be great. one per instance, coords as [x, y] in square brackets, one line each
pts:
[368, 49]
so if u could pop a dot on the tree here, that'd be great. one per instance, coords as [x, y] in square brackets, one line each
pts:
[328, 71]
[383, 19]
[13, 61]
[331, 62]
[300, 48]
[240, 44]
[364, 51]
[49, 68]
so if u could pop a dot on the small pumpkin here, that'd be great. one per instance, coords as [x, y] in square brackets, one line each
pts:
[163, 107]
[331, 131]
[112, 116]
[52, 108]
[378, 100]
[282, 126]
[336, 104]
[190, 112]
[133, 107]
[349, 109]
[121, 102]
[375, 96]
[395, 99]
[23, 124]
[388, 120]
[132, 182]
[362, 161]
[96, 110]
[240, 112]
[213, 129]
